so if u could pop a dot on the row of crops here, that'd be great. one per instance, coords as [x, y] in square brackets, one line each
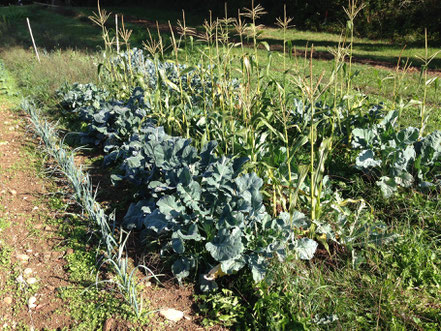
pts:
[280, 190]
[204, 208]
[227, 182]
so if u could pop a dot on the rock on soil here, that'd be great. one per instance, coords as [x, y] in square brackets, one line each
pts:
[7, 300]
[31, 302]
[171, 314]
[31, 280]
[22, 257]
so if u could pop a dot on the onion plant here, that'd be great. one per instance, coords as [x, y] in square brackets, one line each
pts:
[114, 249]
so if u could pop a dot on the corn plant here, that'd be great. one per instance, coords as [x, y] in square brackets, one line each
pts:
[426, 59]
[351, 11]
[100, 18]
[284, 23]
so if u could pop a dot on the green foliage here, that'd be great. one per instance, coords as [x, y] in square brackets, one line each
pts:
[90, 306]
[81, 95]
[7, 83]
[200, 205]
[3, 87]
[203, 211]
[223, 308]
[398, 157]
[5, 255]
[110, 123]
[332, 292]
[136, 69]
[4, 223]
[416, 265]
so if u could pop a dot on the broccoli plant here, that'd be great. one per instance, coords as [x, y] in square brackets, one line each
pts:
[81, 95]
[398, 158]
[206, 212]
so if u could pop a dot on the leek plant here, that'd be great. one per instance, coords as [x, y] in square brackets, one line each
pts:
[114, 249]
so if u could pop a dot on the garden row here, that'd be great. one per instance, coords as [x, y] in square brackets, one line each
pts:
[209, 213]
[203, 198]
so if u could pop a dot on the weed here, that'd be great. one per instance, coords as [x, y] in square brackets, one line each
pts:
[40, 79]
[5, 255]
[89, 305]
[223, 307]
[4, 223]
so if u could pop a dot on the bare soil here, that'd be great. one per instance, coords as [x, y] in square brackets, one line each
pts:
[30, 243]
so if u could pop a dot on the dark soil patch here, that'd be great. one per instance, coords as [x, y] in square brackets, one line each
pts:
[332, 259]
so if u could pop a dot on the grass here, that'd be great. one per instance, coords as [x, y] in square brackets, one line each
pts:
[397, 287]
[51, 30]
[146, 13]
[5, 250]
[41, 80]
[376, 84]
[90, 306]
[78, 37]
[382, 51]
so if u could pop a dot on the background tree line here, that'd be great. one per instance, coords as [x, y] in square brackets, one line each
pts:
[380, 18]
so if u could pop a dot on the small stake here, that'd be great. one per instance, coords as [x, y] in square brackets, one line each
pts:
[33, 41]
[116, 29]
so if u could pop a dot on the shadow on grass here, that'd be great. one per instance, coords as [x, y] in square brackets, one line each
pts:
[64, 28]
[50, 29]
[372, 59]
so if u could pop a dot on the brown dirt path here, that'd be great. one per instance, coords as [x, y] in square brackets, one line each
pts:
[31, 267]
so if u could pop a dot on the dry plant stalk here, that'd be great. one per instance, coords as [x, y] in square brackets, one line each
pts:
[125, 33]
[183, 30]
[100, 18]
[284, 24]
[151, 45]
